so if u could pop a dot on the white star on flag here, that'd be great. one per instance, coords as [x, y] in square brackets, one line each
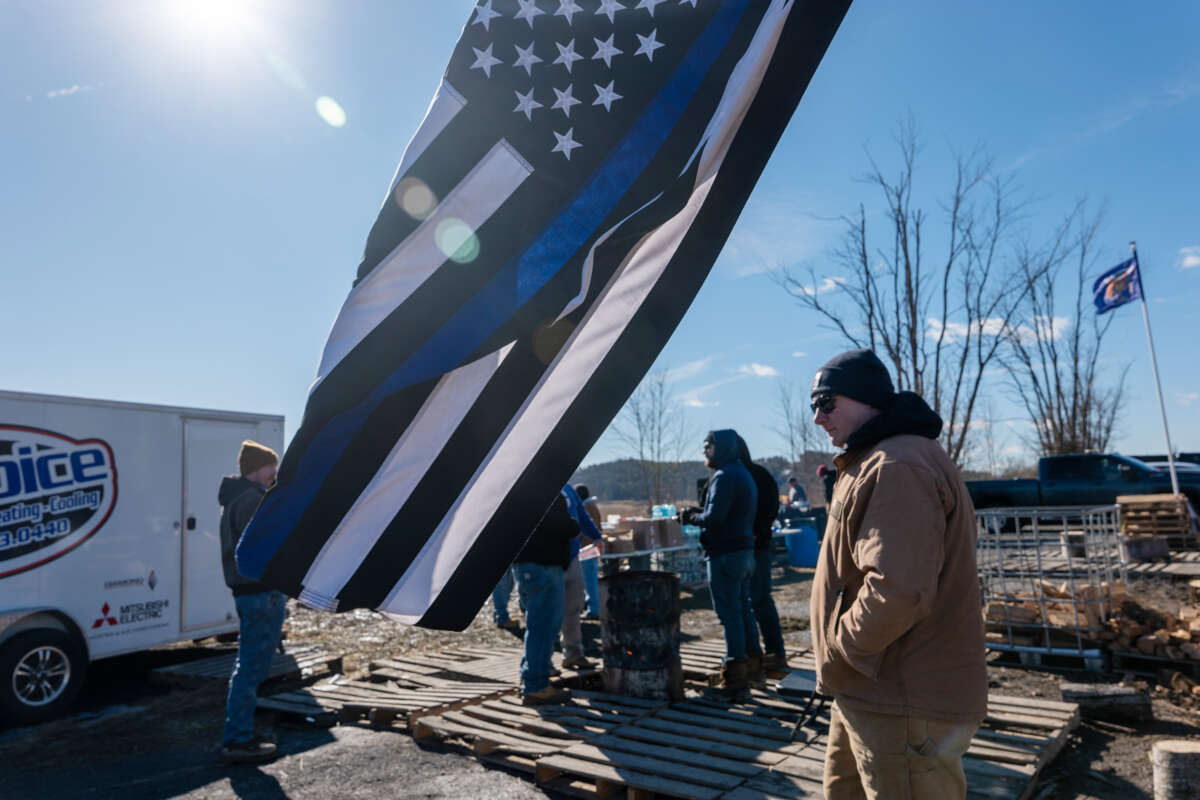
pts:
[691, 3]
[648, 44]
[610, 7]
[568, 9]
[648, 5]
[526, 58]
[566, 54]
[605, 50]
[528, 11]
[527, 104]
[565, 101]
[565, 143]
[484, 14]
[605, 95]
[484, 60]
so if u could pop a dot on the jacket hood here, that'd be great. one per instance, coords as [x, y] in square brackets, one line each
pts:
[232, 486]
[908, 413]
[725, 446]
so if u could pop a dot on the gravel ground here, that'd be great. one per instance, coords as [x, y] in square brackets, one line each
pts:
[132, 739]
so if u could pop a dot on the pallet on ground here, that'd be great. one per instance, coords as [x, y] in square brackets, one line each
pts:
[702, 659]
[504, 730]
[1150, 665]
[293, 663]
[701, 748]
[498, 666]
[1018, 738]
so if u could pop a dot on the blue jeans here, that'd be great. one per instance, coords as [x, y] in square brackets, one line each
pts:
[541, 591]
[500, 597]
[729, 584]
[591, 583]
[765, 613]
[261, 617]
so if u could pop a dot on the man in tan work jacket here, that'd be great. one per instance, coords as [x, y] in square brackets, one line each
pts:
[896, 627]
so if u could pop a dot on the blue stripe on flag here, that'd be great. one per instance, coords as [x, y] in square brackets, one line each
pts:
[497, 302]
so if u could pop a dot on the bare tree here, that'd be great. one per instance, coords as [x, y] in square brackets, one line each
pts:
[655, 429]
[936, 318]
[1054, 360]
[793, 424]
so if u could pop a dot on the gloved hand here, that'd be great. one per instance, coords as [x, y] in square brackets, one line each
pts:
[686, 514]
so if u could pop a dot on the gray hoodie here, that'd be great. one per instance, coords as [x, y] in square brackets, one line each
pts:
[239, 498]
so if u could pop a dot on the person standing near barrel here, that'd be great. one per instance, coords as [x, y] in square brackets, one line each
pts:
[765, 614]
[726, 524]
[897, 634]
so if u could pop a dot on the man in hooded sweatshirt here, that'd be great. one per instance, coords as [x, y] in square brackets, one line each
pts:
[766, 616]
[726, 524]
[897, 633]
[260, 608]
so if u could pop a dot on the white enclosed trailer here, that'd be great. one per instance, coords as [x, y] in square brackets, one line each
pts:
[109, 535]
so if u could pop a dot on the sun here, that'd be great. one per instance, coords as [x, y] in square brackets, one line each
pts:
[212, 21]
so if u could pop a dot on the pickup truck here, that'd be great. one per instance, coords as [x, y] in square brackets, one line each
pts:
[1091, 479]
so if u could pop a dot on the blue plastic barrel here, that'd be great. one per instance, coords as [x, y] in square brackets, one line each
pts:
[802, 546]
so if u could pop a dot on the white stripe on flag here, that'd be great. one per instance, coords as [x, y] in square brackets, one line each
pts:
[444, 106]
[583, 353]
[399, 474]
[477, 196]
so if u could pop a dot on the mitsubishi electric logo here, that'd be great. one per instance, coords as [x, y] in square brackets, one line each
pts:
[104, 617]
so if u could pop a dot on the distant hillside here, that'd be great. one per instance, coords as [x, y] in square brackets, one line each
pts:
[622, 480]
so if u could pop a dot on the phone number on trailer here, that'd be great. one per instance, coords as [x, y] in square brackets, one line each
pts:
[51, 529]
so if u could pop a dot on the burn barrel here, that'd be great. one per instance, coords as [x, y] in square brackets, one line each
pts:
[639, 618]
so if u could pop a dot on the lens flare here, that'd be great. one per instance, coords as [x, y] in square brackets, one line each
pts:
[415, 197]
[457, 241]
[329, 110]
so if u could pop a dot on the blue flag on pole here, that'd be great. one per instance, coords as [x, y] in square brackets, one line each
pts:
[575, 177]
[1120, 285]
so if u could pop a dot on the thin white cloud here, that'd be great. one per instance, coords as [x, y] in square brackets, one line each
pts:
[799, 354]
[691, 398]
[689, 370]
[826, 285]
[1187, 398]
[777, 230]
[1189, 257]
[993, 326]
[70, 90]
[756, 370]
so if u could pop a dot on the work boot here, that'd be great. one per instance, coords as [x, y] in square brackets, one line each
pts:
[754, 672]
[734, 684]
[547, 696]
[579, 664]
[256, 751]
[775, 665]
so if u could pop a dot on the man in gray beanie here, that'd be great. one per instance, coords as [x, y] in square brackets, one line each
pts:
[897, 633]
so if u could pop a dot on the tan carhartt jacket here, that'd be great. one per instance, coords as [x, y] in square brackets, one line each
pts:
[895, 603]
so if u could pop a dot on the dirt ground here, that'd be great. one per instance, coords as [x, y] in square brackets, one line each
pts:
[129, 738]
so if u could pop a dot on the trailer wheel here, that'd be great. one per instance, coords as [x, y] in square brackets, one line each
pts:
[42, 671]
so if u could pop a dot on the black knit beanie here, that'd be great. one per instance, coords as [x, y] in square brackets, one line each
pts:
[857, 374]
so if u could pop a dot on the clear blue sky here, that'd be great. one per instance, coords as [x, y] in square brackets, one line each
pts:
[180, 222]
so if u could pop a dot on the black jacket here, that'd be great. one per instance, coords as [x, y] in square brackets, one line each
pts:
[550, 543]
[767, 508]
[239, 498]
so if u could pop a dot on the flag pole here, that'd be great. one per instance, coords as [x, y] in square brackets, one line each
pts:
[1162, 406]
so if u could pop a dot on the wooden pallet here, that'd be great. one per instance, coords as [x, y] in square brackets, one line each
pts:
[381, 704]
[1018, 738]
[502, 730]
[1141, 664]
[699, 748]
[701, 660]
[294, 663]
[466, 664]
[1162, 514]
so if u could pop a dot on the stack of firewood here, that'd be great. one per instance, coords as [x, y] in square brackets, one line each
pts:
[1136, 629]
[1012, 618]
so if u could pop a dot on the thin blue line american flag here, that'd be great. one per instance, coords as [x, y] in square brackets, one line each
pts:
[576, 175]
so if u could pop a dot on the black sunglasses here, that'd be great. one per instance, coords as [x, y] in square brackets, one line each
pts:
[825, 404]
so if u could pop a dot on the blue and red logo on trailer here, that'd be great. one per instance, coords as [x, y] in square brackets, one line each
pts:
[55, 493]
